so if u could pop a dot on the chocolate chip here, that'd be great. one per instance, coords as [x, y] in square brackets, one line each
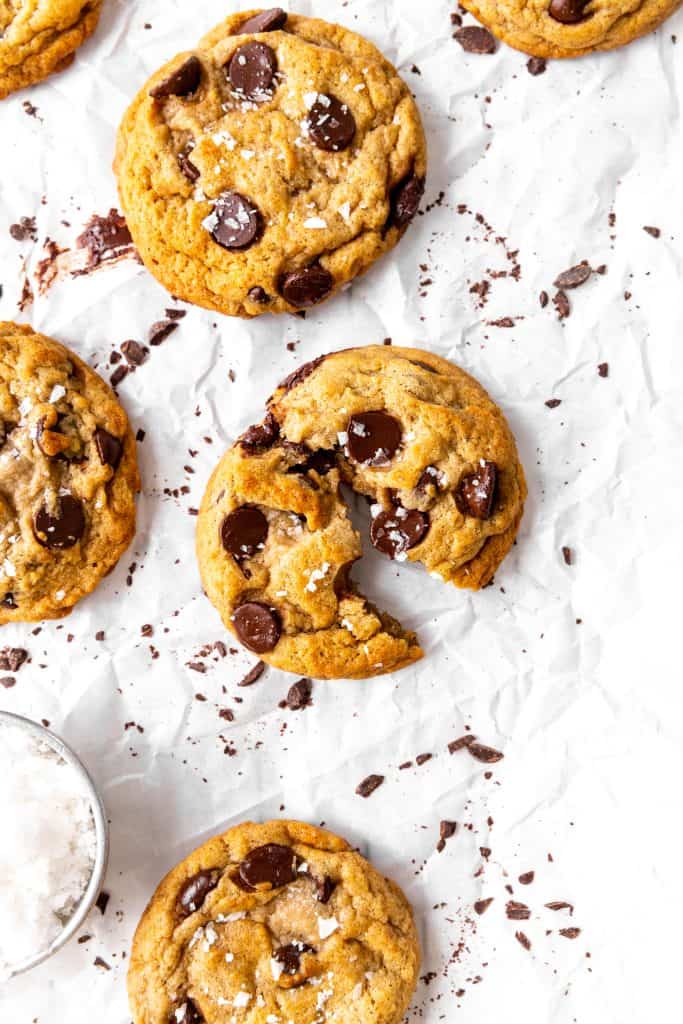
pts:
[244, 532]
[536, 65]
[368, 786]
[12, 658]
[481, 906]
[135, 353]
[187, 167]
[297, 376]
[306, 287]
[265, 21]
[8, 601]
[290, 956]
[62, 530]
[396, 531]
[257, 626]
[252, 70]
[321, 462]
[373, 438]
[573, 277]
[254, 674]
[331, 124]
[517, 911]
[475, 39]
[195, 890]
[268, 867]
[324, 887]
[405, 201]
[258, 294]
[568, 12]
[477, 491]
[235, 222]
[261, 435]
[181, 82]
[485, 754]
[603, 369]
[109, 448]
[299, 695]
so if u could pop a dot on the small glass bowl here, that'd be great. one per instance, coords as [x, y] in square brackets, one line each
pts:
[101, 836]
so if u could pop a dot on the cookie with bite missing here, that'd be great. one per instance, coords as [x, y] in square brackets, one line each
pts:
[38, 37]
[570, 28]
[414, 434]
[68, 477]
[269, 166]
[274, 923]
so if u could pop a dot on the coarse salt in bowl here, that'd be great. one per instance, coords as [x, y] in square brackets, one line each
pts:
[53, 853]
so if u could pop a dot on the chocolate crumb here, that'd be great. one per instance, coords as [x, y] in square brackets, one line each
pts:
[463, 741]
[561, 304]
[422, 759]
[368, 786]
[536, 65]
[299, 695]
[574, 277]
[517, 911]
[102, 902]
[543, 299]
[523, 940]
[446, 831]
[603, 369]
[527, 878]
[655, 232]
[159, 331]
[254, 674]
[481, 906]
[568, 555]
[485, 754]
[553, 403]
[570, 933]
[475, 39]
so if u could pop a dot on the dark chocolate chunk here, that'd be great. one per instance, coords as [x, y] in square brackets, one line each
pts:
[573, 277]
[568, 12]
[244, 532]
[396, 531]
[261, 435]
[485, 754]
[290, 956]
[299, 695]
[268, 867]
[568, 555]
[160, 331]
[324, 887]
[254, 674]
[405, 201]
[306, 287]
[477, 491]
[252, 71]
[181, 82]
[63, 529]
[553, 403]
[134, 353]
[570, 933]
[330, 123]
[475, 39]
[655, 232]
[523, 940]
[368, 786]
[102, 902]
[527, 878]
[481, 906]
[373, 438]
[236, 222]
[195, 890]
[12, 658]
[517, 911]
[536, 65]
[603, 369]
[109, 448]
[447, 830]
[561, 304]
[265, 21]
[187, 167]
[257, 626]
[460, 743]
[258, 294]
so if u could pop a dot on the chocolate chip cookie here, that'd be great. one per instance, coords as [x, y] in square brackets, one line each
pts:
[271, 165]
[413, 433]
[38, 37]
[570, 28]
[272, 924]
[68, 477]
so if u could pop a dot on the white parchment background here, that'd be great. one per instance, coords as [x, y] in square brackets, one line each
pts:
[588, 715]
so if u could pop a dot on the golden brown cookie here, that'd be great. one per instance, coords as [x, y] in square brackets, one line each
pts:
[570, 28]
[38, 37]
[68, 477]
[271, 165]
[272, 924]
[413, 433]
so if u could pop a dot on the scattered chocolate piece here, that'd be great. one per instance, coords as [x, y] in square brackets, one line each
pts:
[182, 82]
[485, 754]
[254, 674]
[105, 238]
[446, 831]
[655, 232]
[265, 21]
[134, 353]
[368, 786]
[251, 71]
[306, 287]
[12, 658]
[517, 911]
[603, 369]
[460, 743]
[481, 906]
[570, 933]
[543, 299]
[102, 902]
[568, 555]
[476, 491]
[257, 626]
[536, 65]
[523, 940]
[476, 39]
[299, 695]
[568, 12]
[330, 124]
[8, 682]
[25, 229]
[560, 905]
[422, 759]
[573, 277]
[527, 878]
[244, 532]
[396, 531]
[553, 403]
[62, 530]
[159, 331]
[193, 893]
[235, 222]
[268, 867]
[99, 962]
[561, 304]
[290, 956]
[405, 201]
[109, 448]
[373, 438]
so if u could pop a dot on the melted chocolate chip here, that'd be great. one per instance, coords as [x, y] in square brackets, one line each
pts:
[324, 887]
[396, 531]
[109, 448]
[187, 167]
[181, 82]
[297, 376]
[244, 531]
[331, 125]
[321, 462]
[268, 867]
[252, 70]
[258, 294]
[261, 435]
[257, 626]
[62, 530]
[290, 956]
[476, 491]
[235, 223]
[306, 287]
[196, 889]
[373, 438]
[568, 12]
[8, 601]
[405, 201]
[265, 21]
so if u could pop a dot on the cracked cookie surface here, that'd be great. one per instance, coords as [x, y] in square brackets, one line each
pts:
[414, 434]
[266, 169]
[273, 923]
[38, 37]
[68, 477]
[570, 28]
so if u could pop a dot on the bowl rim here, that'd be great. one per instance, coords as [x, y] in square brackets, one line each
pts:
[99, 868]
